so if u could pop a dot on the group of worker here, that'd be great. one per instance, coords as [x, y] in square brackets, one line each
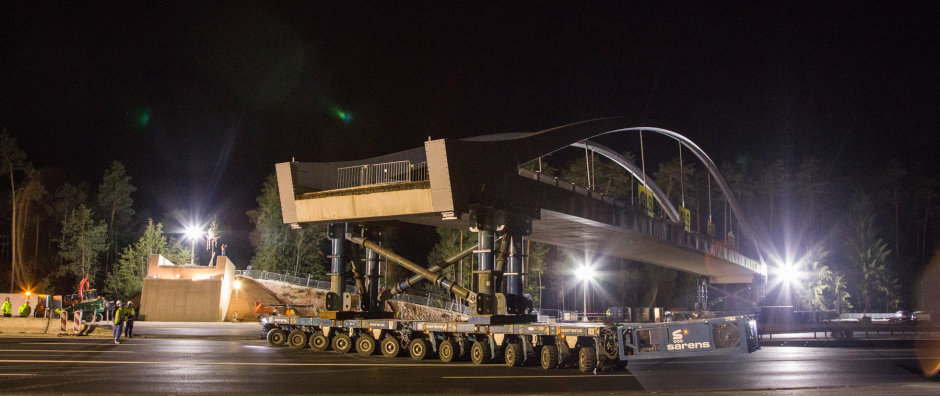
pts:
[7, 308]
[124, 320]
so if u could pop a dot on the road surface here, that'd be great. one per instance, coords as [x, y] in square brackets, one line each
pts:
[212, 365]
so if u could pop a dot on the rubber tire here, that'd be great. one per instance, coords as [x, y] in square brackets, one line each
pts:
[549, 357]
[276, 337]
[297, 339]
[319, 342]
[447, 351]
[419, 349]
[342, 343]
[480, 353]
[365, 344]
[513, 354]
[610, 349]
[587, 359]
[390, 347]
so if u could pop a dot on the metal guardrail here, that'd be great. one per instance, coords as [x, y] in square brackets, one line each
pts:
[428, 299]
[832, 329]
[308, 281]
[384, 173]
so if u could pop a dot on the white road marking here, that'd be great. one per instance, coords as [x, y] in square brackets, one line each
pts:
[912, 357]
[173, 362]
[61, 351]
[109, 342]
[539, 376]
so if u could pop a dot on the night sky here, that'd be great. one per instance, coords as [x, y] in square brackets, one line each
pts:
[200, 101]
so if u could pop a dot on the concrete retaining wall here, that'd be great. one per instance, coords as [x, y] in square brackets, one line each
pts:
[180, 300]
[21, 326]
[13, 326]
[186, 293]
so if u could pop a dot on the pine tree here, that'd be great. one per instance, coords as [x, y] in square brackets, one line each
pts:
[126, 280]
[83, 241]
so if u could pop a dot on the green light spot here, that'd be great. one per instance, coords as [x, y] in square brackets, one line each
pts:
[143, 119]
[346, 117]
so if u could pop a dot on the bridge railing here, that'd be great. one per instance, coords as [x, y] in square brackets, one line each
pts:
[664, 230]
[427, 299]
[382, 173]
[308, 281]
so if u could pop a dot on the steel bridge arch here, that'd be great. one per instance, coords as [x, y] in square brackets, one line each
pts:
[637, 173]
[529, 146]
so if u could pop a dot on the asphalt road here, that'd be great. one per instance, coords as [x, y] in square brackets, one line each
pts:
[153, 365]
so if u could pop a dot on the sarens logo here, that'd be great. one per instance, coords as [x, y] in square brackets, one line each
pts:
[678, 336]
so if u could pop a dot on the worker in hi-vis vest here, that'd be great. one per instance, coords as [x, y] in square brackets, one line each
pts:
[118, 322]
[7, 307]
[25, 309]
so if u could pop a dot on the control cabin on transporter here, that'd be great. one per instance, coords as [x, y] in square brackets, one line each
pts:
[477, 184]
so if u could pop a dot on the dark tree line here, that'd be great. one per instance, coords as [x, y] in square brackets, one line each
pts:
[58, 233]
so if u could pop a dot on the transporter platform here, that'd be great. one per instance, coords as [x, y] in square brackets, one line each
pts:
[588, 346]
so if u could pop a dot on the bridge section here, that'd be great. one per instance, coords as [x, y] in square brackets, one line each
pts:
[445, 182]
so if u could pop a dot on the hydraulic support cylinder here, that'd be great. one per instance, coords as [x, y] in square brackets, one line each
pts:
[408, 283]
[703, 293]
[514, 266]
[372, 279]
[485, 263]
[337, 236]
[437, 279]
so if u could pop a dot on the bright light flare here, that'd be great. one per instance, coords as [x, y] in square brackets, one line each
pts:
[788, 274]
[193, 233]
[237, 285]
[585, 272]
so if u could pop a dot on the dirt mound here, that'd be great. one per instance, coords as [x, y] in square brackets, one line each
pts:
[274, 292]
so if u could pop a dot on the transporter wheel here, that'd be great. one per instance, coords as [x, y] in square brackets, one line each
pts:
[609, 345]
[365, 344]
[446, 351]
[390, 347]
[480, 353]
[513, 354]
[342, 343]
[276, 337]
[319, 342]
[419, 349]
[549, 357]
[587, 359]
[297, 339]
